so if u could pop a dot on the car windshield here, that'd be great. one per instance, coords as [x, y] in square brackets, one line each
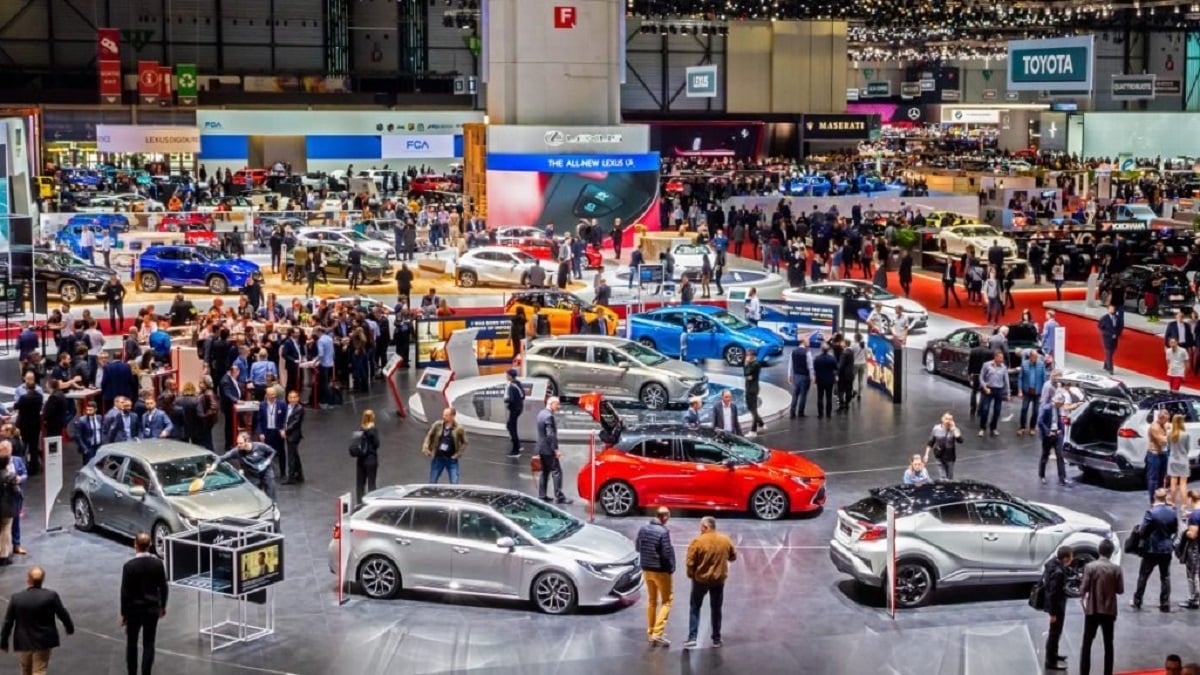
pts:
[1140, 210]
[744, 449]
[643, 354]
[690, 250]
[356, 235]
[1041, 512]
[65, 259]
[523, 257]
[543, 522]
[981, 231]
[730, 320]
[213, 254]
[178, 475]
[875, 292]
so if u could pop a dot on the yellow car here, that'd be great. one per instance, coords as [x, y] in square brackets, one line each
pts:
[559, 306]
[46, 187]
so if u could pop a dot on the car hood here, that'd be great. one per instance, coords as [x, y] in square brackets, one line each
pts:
[244, 501]
[760, 333]
[1076, 519]
[794, 465]
[240, 265]
[597, 544]
[680, 369]
[910, 306]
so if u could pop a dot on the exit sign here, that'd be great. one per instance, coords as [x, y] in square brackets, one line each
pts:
[564, 16]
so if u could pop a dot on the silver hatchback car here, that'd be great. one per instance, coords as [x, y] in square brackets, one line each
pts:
[960, 533]
[485, 541]
[615, 367]
[162, 487]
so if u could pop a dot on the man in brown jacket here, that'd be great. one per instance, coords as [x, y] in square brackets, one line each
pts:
[708, 559]
[444, 444]
[1102, 583]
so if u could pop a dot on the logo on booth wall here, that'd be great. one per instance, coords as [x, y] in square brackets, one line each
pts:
[555, 138]
[416, 145]
[564, 16]
[914, 114]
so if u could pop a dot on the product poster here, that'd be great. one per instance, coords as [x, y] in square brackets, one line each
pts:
[260, 567]
[493, 345]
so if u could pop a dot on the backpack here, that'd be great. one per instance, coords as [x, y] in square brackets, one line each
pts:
[356, 449]
[1037, 596]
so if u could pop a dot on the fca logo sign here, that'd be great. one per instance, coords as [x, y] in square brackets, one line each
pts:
[414, 144]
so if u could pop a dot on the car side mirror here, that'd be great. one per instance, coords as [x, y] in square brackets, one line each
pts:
[137, 491]
[506, 542]
[730, 463]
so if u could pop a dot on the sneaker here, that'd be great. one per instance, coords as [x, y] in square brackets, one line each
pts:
[563, 500]
[717, 644]
[982, 433]
[513, 455]
[995, 433]
[690, 644]
[660, 641]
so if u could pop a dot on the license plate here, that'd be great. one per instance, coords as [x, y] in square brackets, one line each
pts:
[844, 528]
[1176, 298]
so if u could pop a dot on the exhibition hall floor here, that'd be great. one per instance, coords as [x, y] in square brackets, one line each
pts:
[786, 609]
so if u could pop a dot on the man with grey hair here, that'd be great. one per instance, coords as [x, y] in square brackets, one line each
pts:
[548, 452]
[708, 558]
[1051, 422]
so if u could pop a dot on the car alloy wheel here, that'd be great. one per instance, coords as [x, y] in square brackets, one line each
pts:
[1074, 583]
[551, 387]
[646, 342]
[378, 577]
[217, 285]
[69, 291]
[159, 534]
[735, 355]
[930, 363]
[149, 282]
[1142, 307]
[467, 279]
[82, 508]
[768, 503]
[654, 396]
[617, 498]
[914, 584]
[553, 593]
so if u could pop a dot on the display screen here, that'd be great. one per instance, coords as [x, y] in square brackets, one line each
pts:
[260, 567]
[430, 380]
[739, 140]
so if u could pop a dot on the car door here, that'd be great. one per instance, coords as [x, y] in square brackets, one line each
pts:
[425, 544]
[477, 563]
[193, 267]
[491, 268]
[956, 352]
[607, 373]
[702, 337]
[103, 487]
[1007, 533]
[572, 370]
[952, 530]
[705, 479]
[656, 474]
[141, 512]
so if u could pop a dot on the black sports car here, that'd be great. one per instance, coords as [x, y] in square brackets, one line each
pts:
[950, 355]
[1174, 293]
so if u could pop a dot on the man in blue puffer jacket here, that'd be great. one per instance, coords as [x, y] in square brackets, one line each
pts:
[658, 564]
[1030, 383]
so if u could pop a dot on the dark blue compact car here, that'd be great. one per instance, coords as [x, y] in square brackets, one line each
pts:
[713, 333]
[113, 222]
[181, 266]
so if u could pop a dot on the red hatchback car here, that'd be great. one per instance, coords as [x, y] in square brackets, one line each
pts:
[703, 469]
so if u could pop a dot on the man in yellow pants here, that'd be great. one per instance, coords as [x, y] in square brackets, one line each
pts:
[658, 564]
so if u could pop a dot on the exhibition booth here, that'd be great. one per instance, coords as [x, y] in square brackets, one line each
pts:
[332, 140]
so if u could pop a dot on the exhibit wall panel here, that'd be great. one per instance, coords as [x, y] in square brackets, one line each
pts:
[1147, 134]
[748, 67]
[791, 56]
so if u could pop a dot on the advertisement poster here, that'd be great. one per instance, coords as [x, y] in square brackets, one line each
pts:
[881, 370]
[794, 320]
[260, 567]
[186, 83]
[5, 211]
[561, 189]
[738, 140]
[493, 344]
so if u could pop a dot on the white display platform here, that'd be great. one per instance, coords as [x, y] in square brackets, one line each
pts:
[774, 405]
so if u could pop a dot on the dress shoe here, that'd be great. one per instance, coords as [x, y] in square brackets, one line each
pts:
[1190, 604]
[1165, 609]
[20, 550]
[1056, 665]
[1136, 604]
[563, 500]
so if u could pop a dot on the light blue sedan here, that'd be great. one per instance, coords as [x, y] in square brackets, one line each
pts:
[714, 334]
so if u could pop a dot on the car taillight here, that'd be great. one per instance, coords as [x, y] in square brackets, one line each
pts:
[337, 531]
[1126, 432]
[873, 532]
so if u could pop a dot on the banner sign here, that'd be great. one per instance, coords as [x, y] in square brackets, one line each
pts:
[146, 139]
[574, 163]
[409, 146]
[149, 82]
[796, 320]
[108, 44]
[881, 89]
[910, 89]
[837, 127]
[493, 343]
[1058, 64]
[1133, 87]
[164, 82]
[970, 116]
[1168, 87]
[881, 355]
[108, 60]
[702, 82]
[186, 84]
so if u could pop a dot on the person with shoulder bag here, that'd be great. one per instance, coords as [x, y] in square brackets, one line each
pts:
[1190, 540]
[1054, 587]
[444, 444]
[365, 450]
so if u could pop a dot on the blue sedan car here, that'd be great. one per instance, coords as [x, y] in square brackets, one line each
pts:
[714, 334]
[192, 266]
[113, 222]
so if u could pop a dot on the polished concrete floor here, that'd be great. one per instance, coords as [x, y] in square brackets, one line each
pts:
[786, 611]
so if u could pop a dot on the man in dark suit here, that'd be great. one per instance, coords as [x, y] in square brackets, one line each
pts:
[1110, 326]
[121, 423]
[825, 368]
[29, 417]
[29, 620]
[269, 424]
[118, 380]
[293, 433]
[1054, 585]
[949, 278]
[143, 603]
[1102, 583]
[88, 431]
[725, 415]
[514, 403]
[290, 351]
[1158, 531]
[548, 452]
[1051, 428]
[231, 393]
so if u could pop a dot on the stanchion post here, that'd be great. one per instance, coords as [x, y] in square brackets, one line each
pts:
[592, 466]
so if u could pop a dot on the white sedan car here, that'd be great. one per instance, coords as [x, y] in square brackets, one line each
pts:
[982, 237]
[498, 265]
[859, 298]
[505, 234]
[689, 259]
[362, 242]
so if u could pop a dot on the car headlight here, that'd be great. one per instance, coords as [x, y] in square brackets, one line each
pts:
[1103, 533]
[189, 522]
[757, 342]
[602, 570]
[805, 481]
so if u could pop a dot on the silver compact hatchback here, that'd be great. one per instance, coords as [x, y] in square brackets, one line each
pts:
[960, 533]
[615, 367]
[485, 541]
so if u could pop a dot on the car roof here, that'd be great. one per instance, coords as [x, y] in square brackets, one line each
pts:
[702, 309]
[494, 249]
[1162, 398]
[588, 339]
[477, 494]
[663, 430]
[155, 450]
[911, 498]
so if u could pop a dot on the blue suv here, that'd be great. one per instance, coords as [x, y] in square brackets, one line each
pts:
[69, 236]
[192, 266]
[113, 222]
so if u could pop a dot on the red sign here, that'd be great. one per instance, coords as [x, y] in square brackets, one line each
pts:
[108, 44]
[564, 16]
[149, 81]
[164, 76]
[110, 82]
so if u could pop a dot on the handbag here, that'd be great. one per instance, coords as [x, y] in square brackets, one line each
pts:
[535, 464]
[1181, 547]
[1136, 541]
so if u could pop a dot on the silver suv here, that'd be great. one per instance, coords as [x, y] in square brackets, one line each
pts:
[615, 367]
[960, 533]
[478, 540]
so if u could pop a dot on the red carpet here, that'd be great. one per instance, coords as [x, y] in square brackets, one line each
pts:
[1137, 351]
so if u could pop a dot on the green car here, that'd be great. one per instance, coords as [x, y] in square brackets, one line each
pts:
[336, 263]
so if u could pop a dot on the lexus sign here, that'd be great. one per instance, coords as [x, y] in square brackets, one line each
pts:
[146, 139]
[556, 139]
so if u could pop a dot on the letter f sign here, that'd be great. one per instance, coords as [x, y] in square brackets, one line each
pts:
[564, 16]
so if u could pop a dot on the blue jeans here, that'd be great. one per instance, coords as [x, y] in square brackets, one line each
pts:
[1029, 410]
[990, 403]
[716, 596]
[440, 464]
[16, 524]
[800, 385]
[1156, 471]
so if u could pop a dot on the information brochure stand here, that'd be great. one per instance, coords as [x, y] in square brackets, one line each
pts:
[431, 392]
[233, 563]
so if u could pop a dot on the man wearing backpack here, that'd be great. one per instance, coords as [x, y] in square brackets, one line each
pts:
[1054, 588]
[514, 402]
